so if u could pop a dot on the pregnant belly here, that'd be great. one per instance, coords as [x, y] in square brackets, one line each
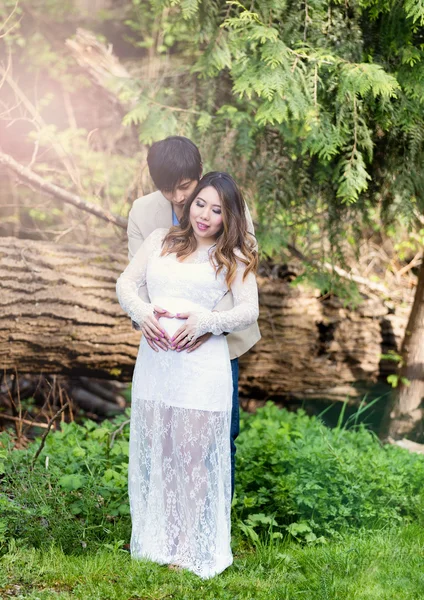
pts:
[199, 380]
[171, 326]
[174, 306]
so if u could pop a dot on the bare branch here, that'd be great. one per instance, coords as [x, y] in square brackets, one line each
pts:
[25, 421]
[105, 70]
[413, 263]
[173, 108]
[46, 433]
[102, 66]
[65, 157]
[3, 25]
[371, 285]
[34, 155]
[31, 178]
[118, 431]
[7, 69]
[11, 28]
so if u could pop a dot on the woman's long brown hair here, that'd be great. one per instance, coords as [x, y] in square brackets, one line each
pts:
[233, 243]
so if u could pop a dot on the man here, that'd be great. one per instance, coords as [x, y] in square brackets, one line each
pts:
[175, 166]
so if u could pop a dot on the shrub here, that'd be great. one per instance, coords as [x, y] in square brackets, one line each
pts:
[296, 475]
[77, 492]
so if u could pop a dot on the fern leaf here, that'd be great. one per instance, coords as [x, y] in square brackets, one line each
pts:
[364, 78]
[354, 178]
[415, 10]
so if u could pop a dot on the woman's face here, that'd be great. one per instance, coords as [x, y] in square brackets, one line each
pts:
[206, 215]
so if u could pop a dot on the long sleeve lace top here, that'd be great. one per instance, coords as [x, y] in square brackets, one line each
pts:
[189, 286]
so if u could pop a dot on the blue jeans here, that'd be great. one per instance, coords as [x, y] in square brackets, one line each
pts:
[235, 420]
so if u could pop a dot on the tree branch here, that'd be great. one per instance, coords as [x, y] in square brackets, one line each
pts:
[46, 433]
[25, 421]
[31, 178]
[65, 157]
[371, 285]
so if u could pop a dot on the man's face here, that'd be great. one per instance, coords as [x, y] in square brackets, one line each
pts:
[182, 192]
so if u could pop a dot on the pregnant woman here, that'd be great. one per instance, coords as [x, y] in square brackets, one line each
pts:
[179, 466]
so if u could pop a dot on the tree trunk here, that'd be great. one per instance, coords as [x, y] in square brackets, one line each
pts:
[406, 415]
[59, 312]
[318, 349]
[60, 315]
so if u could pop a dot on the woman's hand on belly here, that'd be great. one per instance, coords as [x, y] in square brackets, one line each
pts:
[172, 325]
[194, 344]
[185, 336]
[162, 312]
[156, 335]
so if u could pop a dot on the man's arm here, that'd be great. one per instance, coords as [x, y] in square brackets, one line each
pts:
[135, 240]
[135, 236]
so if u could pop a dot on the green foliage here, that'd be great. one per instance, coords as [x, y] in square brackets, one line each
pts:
[413, 245]
[316, 109]
[295, 477]
[319, 108]
[313, 481]
[297, 481]
[154, 123]
[77, 493]
[331, 283]
[415, 10]
[394, 379]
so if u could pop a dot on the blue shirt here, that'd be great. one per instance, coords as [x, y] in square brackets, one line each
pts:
[175, 220]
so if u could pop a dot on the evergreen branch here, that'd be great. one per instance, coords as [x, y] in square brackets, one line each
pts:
[174, 108]
[415, 10]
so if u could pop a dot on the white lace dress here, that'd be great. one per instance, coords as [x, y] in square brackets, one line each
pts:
[179, 464]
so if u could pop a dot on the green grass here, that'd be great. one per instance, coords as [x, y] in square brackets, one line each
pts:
[384, 565]
[342, 514]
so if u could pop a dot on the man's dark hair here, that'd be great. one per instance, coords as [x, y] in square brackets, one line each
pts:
[172, 160]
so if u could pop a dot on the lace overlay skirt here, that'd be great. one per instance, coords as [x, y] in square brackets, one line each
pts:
[179, 466]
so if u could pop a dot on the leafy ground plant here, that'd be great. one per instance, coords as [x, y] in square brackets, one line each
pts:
[75, 495]
[295, 475]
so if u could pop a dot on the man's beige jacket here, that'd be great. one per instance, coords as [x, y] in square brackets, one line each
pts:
[153, 212]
